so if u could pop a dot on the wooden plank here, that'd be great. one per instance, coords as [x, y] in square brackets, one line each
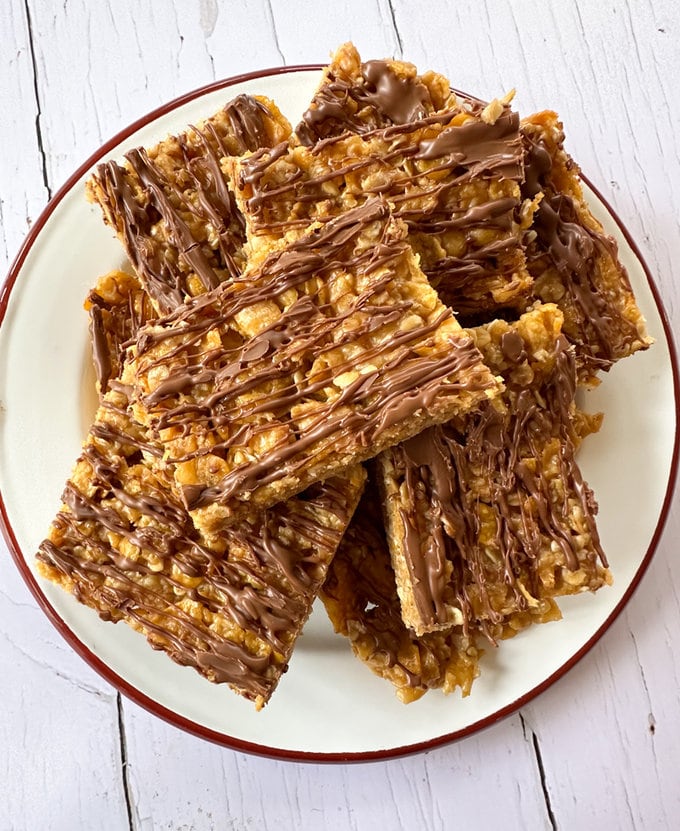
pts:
[608, 730]
[60, 760]
[61, 754]
[431, 790]
[137, 57]
[23, 189]
[370, 26]
[601, 744]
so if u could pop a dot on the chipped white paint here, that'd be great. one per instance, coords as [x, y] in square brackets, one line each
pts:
[598, 750]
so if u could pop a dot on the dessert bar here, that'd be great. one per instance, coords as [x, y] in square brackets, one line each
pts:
[362, 602]
[489, 515]
[171, 207]
[453, 176]
[328, 350]
[573, 262]
[360, 596]
[230, 606]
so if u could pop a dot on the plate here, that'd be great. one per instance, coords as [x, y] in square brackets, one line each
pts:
[328, 706]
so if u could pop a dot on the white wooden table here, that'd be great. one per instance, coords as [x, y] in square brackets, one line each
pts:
[601, 748]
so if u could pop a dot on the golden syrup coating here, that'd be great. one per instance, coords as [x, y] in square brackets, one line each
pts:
[331, 349]
[171, 207]
[489, 515]
[452, 176]
[573, 262]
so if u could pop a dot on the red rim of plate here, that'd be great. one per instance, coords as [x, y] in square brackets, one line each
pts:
[199, 730]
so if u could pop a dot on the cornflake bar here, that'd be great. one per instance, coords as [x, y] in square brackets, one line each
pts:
[574, 263]
[452, 176]
[171, 206]
[359, 97]
[118, 307]
[230, 606]
[361, 599]
[333, 348]
[489, 516]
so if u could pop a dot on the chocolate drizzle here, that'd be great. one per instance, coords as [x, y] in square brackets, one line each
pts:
[497, 457]
[399, 100]
[214, 390]
[112, 326]
[596, 321]
[263, 576]
[247, 117]
[497, 146]
[101, 351]
[379, 99]
[141, 199]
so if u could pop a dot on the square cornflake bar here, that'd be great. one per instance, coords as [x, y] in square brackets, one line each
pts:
[333, 348]
[360, 596]
[361, 599]
[452, 176]
[124, 544]
[489, 516]
[574, 262]
[359, 97]
[231, 606]
[171, 206]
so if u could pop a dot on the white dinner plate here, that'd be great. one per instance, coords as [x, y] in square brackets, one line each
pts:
[328, 706]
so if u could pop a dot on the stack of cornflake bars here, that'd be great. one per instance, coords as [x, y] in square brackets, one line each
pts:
[407, 288]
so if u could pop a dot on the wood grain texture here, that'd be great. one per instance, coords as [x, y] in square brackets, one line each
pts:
[22, 154]
[425, 791]
[599, 749]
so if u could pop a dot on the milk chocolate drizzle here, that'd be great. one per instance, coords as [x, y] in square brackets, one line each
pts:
[601, 333]
[101, 351]
[265, 581]
[205, 390]
[137, 203]
[431, 159]
[493, 457]
[379, 99]
[361, 581]
[477, 142]
[111, 329]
